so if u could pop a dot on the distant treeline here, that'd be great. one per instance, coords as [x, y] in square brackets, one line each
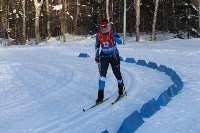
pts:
[23, 20]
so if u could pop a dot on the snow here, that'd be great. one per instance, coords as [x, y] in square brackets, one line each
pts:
[57, 7]
[44, 88]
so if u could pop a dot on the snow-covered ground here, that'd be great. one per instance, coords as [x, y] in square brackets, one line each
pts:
[44, 88]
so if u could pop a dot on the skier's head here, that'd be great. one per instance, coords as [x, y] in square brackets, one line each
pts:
[105, 26]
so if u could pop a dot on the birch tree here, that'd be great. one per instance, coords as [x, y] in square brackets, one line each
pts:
[23, 2]
[174, 19]
[1, 19]
[137, 12]
[4, 7]
[199, 15]
[107, 10]
[153, 35]
[77, 16]
[62, 18]
[8, 24]
[48, 19]
[38, 6]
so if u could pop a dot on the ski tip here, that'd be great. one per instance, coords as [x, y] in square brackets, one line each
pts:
[83, 110]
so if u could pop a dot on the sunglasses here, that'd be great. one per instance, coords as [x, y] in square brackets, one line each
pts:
[103, 26]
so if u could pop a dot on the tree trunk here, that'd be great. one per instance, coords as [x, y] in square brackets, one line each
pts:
[153, 35]
[107, 10]
[199, 15]
[77, 15]
[137, 11]
[48, 19]
[174, 19]
[113, 19]
[24, 22]
[8, 26]
[111, 11]
[62, 19]
[164, 18]
[37, 20]
[130, 12]
[4, 22]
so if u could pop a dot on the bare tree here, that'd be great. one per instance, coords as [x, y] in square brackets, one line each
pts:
[153, 35]
[77, 16]
[107, 10]
[199, 15]
[48, 19]
[130, 14]
[62, 15]
[137, 8]
[2, 23]
[8, 24]
[24, 21]
[174, 20]
[38, 6]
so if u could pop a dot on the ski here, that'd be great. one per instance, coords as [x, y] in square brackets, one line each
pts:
[96, 104]
[119, 98]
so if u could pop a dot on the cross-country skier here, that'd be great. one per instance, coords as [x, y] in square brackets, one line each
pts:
[107, 53]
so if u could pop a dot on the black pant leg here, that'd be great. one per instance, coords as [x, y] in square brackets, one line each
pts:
[104, 63]
[115, 64]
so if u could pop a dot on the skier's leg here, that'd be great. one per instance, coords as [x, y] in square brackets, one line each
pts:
[103, 67]
[115, 64]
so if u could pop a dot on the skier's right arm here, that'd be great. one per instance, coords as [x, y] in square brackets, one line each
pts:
[97, 47]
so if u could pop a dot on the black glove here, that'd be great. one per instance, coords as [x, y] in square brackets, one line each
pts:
[97, 59]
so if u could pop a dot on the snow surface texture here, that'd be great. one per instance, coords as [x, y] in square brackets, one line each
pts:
[44, 88]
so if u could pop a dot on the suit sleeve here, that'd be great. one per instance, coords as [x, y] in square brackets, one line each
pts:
[117, 38]
[97, 46]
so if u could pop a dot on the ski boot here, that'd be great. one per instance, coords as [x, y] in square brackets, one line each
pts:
[121, 90]
[100, 96]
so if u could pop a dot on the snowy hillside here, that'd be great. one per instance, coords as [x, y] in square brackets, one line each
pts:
[44, 88]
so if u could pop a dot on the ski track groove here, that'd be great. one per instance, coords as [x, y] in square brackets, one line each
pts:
[63, 125]
[66, 126]
[18, 101]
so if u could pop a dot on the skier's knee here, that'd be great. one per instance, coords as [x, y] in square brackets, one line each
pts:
[120, 82]
[102, 78]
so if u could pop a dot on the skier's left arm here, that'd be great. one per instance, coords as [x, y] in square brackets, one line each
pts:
[117, 38]
[97, 47]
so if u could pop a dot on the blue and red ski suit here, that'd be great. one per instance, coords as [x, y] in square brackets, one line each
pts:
[107, 53]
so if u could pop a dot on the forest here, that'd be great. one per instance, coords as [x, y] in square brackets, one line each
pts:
[22, 20]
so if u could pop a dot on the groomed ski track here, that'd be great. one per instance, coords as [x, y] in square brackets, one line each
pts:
[46, 91]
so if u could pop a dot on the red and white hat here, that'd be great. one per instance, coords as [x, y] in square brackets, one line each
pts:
[104, 22]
